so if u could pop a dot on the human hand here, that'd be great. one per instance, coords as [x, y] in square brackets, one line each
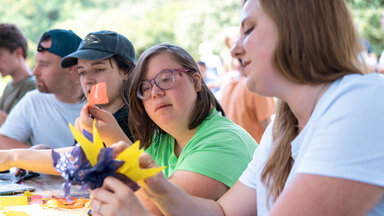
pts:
[156, 185]
[115, 198]
[106, 124]
[119, 147]
[84, 121]
[153, 185]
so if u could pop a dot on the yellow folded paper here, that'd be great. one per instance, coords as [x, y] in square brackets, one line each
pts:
[130, 155]
[90, 149]
[12, 201]
[15, 213]
[131, 166]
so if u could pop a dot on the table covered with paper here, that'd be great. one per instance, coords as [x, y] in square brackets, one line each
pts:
[39, 196]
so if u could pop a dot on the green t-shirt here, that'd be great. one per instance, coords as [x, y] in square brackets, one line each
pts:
[220, 149]
[13, 92]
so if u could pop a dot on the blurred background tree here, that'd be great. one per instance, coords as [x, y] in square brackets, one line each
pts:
[147, 22]
[367, 15]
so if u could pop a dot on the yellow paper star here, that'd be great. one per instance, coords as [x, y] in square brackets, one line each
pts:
[130, 155]
[131, 166]
[90, 149]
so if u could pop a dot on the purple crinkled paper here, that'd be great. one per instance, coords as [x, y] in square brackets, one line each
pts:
[76, 169]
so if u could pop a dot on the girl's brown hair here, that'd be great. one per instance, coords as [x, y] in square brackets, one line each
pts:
[317, 43]
[142, 127]
[126, 66]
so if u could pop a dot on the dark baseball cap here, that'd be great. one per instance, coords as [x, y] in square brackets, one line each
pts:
[101, 45]
[64, 42]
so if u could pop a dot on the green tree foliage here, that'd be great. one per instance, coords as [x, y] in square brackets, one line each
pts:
[147, 22]
[366, 3]
[35, 17]
[367, 15]
[206, 21]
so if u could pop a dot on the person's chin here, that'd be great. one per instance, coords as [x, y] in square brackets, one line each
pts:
[250, 84]
[43, 89]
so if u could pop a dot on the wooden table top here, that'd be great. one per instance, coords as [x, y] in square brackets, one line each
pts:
[48, 185]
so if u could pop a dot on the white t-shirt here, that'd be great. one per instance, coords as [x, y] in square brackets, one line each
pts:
[344, 138]
[43, 119]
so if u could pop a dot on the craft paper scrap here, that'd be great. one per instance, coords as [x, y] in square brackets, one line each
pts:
[56, 202]
[15, 213]
[12, 201]
[89, 163]
[98, 94]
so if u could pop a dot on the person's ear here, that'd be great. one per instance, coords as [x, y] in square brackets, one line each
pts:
[125, 76]
[196, 77]
[19, 52]
[72, 69]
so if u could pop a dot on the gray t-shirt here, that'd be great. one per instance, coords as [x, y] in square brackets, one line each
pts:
[13, 92]
[43, 119]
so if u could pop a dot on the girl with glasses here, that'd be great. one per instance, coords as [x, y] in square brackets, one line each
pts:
[181, 125]
[323, 154]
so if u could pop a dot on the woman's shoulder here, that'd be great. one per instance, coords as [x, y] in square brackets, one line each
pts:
[355, 90]
[367, 82]
[221, 132]
[219, 125]
[160, 142]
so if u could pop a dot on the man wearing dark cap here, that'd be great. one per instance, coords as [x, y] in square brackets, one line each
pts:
[42, 116]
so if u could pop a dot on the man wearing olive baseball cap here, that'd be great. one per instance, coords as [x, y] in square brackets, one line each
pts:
[42, 116]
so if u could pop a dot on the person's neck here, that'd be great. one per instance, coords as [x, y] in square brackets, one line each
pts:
[302, 101]
[21, 73]
[182, 137]
[113, 107]
[71, 94]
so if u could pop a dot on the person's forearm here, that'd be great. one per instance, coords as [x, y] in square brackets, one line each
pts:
[36, 160]
[175, 201]
[3, 116]
[147, 203]
[9, 143]
[115, 138]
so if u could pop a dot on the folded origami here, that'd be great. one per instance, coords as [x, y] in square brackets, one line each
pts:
[88, 164]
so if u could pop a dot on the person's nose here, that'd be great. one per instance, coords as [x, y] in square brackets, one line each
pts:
[156, 91]
[237, 50]
[36, 71]
[89, 79]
